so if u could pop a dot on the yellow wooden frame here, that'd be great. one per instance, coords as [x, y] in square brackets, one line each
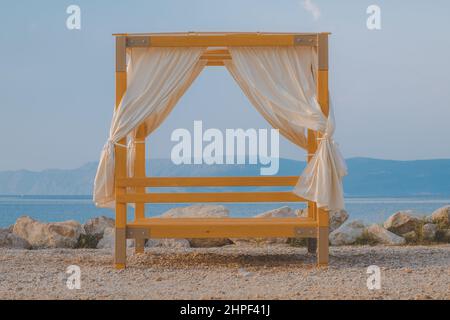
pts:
[133, 189]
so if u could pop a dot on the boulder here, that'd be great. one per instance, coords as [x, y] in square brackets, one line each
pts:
[411, 236]
[167, 243]
[97, 226]
[383, 236]
[429, 231]
[402, 222]
[209, 242]
[12, 241]
[446, 235]
[197, 211]
[48, 235]
[201, 211]
[348, 233]
[441, 217]
[283, 212]
[94, 230]
[337, 218]
[108, 240]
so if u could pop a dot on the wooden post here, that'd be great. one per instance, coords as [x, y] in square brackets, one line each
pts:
[312, 147]
[322, 94]
[139, 172]
[120, 247]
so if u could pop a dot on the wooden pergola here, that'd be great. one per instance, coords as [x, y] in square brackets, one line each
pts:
[133, 189]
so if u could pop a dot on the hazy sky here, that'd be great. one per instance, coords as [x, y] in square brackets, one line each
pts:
[390, 87]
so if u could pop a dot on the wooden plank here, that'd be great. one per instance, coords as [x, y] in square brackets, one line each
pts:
[215, 57]
[139, 172]
[323, 51]
[222, 227]
[262, 181]
[323, 249]
[215, 64]
[221, 40]
[120, 158]
[323, 99]
[121, 53]
[202, 197]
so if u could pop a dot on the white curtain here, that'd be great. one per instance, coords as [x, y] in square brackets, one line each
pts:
[281, 84]
[157, 78]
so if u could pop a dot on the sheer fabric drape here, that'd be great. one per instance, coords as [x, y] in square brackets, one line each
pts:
[281, 84]
[157, 78]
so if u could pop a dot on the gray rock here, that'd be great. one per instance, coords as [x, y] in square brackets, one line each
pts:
[12, 241]
[383, 236]
[348, 233]
[201, 211]
[411, 236]
[97, 226]
[441, 217]
[209, 242]
[429, 231]
[94, 230]
[402, 222]
[197, 211]
[108, 240]
[337, 218]
[283, 212]
[167, 243]
[48, 235]
[446, 235]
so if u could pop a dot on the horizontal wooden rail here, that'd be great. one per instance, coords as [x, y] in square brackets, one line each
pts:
[224, 227]
[258, 181]
[209, 197]
[219, 40]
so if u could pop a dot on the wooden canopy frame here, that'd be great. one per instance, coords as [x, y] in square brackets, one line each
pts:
[314, 227]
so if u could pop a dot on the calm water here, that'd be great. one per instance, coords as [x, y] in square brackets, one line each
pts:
[60, 208]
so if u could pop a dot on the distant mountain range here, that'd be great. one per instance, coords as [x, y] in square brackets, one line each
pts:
[367, 177]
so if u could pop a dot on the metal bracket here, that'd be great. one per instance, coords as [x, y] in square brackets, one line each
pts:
[305, 232]
[138, 41]
[138, 233]
[305, 40]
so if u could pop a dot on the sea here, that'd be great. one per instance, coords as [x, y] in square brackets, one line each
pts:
[81, 208]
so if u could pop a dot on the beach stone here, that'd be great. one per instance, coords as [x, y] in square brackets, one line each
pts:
[168, 243]
[441, 217]
[97, 226]
[12, 241]
[48, 235]
[108, 240]
[402, 222]
[337, 218]
[283, 212]
[94, 230]
[348, 233]
[209, 242]
[383, 236]
[446, 235]
[197, 211]
[411, 236]
[429, 231]
[201, 211]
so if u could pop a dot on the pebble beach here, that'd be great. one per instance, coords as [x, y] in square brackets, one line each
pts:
[243, 271]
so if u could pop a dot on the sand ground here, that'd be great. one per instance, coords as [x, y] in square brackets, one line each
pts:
[232, 272]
